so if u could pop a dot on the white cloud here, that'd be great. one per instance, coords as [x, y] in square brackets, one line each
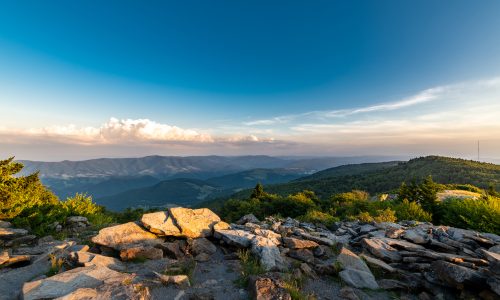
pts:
[118, 131]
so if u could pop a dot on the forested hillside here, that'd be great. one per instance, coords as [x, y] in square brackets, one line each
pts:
[384, 177]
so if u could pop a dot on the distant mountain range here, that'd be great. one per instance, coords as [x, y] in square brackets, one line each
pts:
[149, 181]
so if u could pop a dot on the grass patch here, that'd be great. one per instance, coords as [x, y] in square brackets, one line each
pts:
[293, 286]
[250, 266]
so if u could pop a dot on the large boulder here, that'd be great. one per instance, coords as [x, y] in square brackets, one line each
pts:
[123, 236]
[355, 271]
[268, 253]
[194, 223]
[160, 223]
[68, 282]
[359, 279]
[250, 218]
[457, 276]
[201, 245]
[349, 260]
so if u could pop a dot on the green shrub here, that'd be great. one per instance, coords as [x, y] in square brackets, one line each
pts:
[316, 216]
[21, 192]
[407, 210]
[479, 214]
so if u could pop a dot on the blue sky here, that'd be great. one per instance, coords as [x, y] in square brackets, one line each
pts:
[248, 77]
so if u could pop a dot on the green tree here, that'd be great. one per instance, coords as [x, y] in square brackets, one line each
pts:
[258, 191]
[428, 194]
[18, 193]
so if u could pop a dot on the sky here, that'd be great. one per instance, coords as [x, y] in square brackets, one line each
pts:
[85, 79]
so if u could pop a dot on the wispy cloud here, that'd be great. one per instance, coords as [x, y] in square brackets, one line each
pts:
[422, 97]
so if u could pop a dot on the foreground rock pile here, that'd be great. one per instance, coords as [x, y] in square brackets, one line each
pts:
[191, 254]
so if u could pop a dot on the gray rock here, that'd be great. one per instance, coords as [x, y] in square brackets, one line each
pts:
[172, 249]
[201, 245]
[160, 223]
[11, 282]
[235, 237]
[87, 259]
[194, 223]
[122, 236]
[416, 235]
[377, 263]
[495, 249]
[269, 234]
[268, 253]
[457, 276]
[68, 282]
[141, 252]
[367, 228]
[349, 260]
[250, 218]
[359, 279]
[392, 284]
[304, 255]
[380, 249]
[11, 233]
[294, 243]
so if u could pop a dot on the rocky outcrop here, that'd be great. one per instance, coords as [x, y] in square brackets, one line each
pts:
[159, 253]
[160, 223]
[194, 223]
[123, 236]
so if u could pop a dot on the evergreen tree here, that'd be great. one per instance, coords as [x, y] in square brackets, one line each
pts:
[258, 191]
[428, 194]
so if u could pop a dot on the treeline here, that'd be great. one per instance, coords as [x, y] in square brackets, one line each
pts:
[27, 203]
[413, 202]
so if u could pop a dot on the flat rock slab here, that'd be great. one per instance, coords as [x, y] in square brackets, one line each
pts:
[68, 282]
[235, 237]
[122, 236]
[160, 223]
[381, 249]
[349, 260]
[294, 243]
[194, 223]
[359, 279]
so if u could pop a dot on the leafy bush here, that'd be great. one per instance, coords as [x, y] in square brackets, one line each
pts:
[479, 214]
[22, 192]
[316, 216]
[29, 204]
[407, 210]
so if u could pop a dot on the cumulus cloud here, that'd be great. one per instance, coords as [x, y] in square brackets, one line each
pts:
[125, 131]
[116, 130]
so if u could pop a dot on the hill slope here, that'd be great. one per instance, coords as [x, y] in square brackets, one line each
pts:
[383, 177]
[181, 191]
[250, 178]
